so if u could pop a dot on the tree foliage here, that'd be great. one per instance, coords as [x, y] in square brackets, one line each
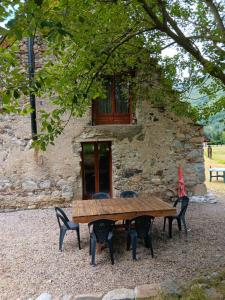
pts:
[89, 38]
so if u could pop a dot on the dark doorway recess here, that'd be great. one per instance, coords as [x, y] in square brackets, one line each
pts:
[96, 168]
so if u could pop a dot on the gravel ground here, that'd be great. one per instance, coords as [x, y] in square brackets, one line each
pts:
[30, 262]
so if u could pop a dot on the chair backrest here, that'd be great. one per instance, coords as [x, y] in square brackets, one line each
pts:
[176, 202]
[184, 205]
[142, 225]
[61, 217]
[101, 229]
[128, 194]
[100, 195]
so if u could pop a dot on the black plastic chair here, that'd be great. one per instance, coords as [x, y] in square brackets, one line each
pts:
[64, 225]
[101, 231]
[140, 227]
[180, 217]
[100, 195]
[128, 194]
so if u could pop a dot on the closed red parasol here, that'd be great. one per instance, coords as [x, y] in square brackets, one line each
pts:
[181, 186]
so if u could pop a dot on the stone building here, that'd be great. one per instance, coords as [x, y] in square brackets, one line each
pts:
[116, 146]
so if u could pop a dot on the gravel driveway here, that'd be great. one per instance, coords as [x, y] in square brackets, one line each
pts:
[30, 262]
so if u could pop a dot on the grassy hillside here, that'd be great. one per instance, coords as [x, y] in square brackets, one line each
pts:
[215, 123]
[217, 161]
[218, 155]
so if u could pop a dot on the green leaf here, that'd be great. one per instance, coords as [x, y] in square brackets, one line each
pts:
[16, 94]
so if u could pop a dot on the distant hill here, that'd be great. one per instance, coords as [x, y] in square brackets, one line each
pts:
[216, 123]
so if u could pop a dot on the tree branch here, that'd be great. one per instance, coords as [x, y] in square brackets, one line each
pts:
[152, 15]
[178, 36]
[3, 39]
[161, 4]
[125, 38]
[208, 38]
[215, 12]
[167, 46]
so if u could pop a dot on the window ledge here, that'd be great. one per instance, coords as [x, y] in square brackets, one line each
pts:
[115, 125]
[112, 132]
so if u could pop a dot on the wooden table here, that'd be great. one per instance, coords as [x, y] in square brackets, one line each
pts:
[217, 175]
[85, 211]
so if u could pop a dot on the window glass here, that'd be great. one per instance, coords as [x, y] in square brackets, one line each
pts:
[96, 168]
[89, 169]
[104, 167]
[121, 95]
[105, 105]
[114, 106]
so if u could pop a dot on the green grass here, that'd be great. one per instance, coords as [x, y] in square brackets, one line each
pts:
[218, 155]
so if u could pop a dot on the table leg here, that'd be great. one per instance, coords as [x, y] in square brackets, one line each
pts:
[223, 176]
[210, 172]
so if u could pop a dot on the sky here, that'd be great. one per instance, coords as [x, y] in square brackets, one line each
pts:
[2, 24]
[170, 52]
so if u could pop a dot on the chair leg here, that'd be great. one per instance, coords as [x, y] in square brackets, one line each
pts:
[90, 247]
[93, 249]
[110, 243]
[185, 226]
[164, 225]
[151, 248]
[170, 227]
[61, 237]
[78, 237]
[134, 245]
[179, 224]
[128, 242]
[148, 243]
[126, 224]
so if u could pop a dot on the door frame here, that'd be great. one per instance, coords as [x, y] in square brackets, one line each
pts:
[96, 155]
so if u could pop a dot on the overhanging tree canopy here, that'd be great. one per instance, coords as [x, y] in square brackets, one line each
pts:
[89, 38]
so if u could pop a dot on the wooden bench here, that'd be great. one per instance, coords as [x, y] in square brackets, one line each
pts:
[217, 173]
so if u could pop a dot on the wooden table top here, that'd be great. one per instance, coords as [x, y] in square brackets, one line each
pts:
[85, 211]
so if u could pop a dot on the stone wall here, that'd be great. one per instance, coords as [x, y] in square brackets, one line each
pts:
[32, 179]
[145, 155]
[145, 158]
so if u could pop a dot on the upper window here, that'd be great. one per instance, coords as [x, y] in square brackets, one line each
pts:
[115, 108]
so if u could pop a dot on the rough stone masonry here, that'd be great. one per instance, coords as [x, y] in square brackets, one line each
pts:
[145, 156]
